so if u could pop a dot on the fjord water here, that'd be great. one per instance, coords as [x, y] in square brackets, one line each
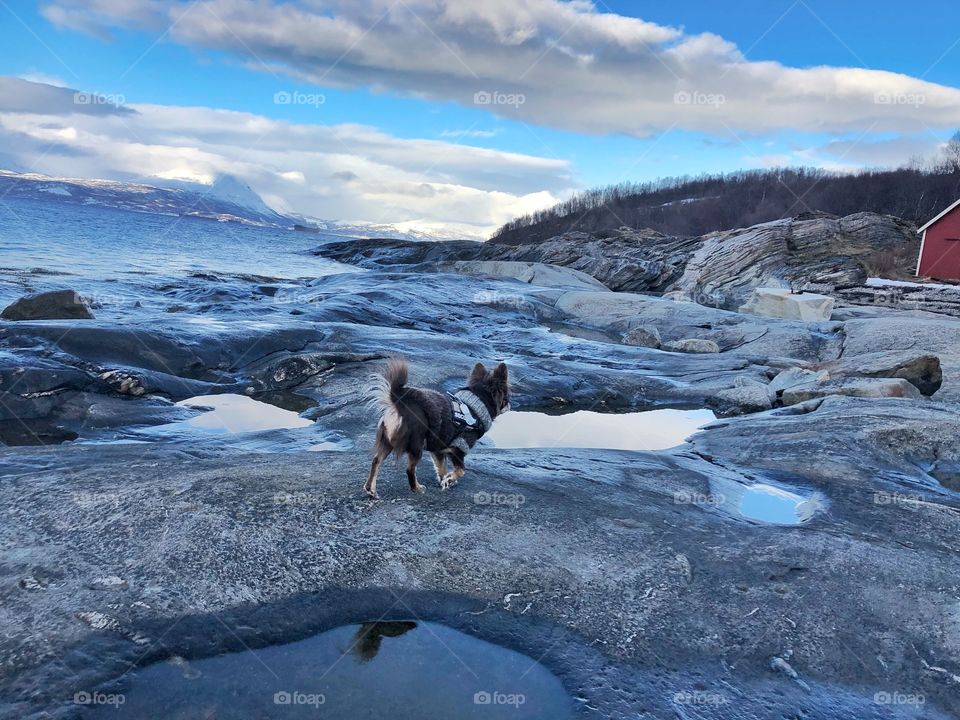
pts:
[101, 242]
[402, 670]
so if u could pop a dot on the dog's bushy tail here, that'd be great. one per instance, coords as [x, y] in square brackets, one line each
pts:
[395, 379]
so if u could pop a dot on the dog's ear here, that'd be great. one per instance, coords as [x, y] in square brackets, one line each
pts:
[501, 372]
[478, 374]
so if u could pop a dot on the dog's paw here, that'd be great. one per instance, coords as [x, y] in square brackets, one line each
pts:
[372, 494]
[418, 488]
[449, 480]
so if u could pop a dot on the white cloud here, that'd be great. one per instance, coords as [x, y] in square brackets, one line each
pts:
[575, 67]
[343, 172]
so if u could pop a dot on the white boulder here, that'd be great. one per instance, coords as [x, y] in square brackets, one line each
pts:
[781, 303]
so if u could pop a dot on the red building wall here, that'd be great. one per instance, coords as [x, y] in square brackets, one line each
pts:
[940, 256]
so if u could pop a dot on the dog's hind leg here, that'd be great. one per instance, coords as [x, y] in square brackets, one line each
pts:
[440, 465]
[412, 460]
[381, 450]
[459, 468]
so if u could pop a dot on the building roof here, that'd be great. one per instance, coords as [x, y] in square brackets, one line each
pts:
[940, 217]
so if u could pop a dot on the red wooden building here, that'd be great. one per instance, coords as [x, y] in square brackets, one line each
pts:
[940, 246]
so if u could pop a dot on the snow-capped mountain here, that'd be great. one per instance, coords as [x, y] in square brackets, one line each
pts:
[227, 199]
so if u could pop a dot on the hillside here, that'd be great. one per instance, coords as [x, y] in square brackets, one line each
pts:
[696, 206]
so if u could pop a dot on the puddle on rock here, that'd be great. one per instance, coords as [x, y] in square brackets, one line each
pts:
[237, 423]
[229, 413]
[764, 503]
[649, 430]
[400, 670]
[773, 505]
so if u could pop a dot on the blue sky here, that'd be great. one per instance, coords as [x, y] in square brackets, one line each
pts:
[217, 57]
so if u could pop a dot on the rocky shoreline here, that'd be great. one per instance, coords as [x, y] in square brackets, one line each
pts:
[620, 571]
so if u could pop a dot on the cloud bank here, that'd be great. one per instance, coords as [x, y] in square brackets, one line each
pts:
[553, 63]
[344, 172]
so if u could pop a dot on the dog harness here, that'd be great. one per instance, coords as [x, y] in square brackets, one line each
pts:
[471, 419]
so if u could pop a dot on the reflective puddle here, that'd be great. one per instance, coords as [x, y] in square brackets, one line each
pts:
[774, 505]
[230, 413]
[650, 430]
[764, 503]
[401, 670]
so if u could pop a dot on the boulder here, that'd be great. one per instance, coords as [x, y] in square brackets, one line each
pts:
[781, 303]
[642, 336]
[692, 345]
[792, 377]
[54, 305]
[748, 396]
[920, 369]
[852, 387]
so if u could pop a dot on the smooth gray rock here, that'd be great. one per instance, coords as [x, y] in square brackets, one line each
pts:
[692, 345]
[794, 376]
[746, 397]
[922, 370]
[53, 305]
[854, 387]
[534, 273]
[642, 336]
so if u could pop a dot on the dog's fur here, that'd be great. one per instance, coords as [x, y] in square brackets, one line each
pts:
[416, 419]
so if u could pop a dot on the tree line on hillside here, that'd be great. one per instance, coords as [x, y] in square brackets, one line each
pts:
[695, 206]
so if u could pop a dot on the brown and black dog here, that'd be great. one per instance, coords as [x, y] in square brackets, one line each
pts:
[446, 426]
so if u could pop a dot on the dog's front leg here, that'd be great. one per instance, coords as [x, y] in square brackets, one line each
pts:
[440, 465]
[412, 473]
[459, 468]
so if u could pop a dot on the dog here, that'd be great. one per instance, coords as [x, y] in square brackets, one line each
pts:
[446, 426]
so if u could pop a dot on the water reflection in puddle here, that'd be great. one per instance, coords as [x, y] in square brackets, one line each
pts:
[229, 413]
[651, 430]
[773, 505]
[399, 670]
[763, 502]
